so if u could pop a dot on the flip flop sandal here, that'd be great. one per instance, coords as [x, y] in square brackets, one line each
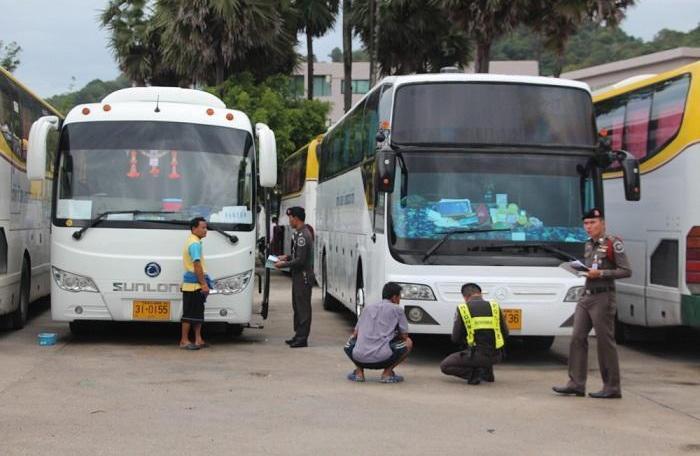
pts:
[392, 379]
[204, 345]
[189, 347]
[399, 378]
[353, 377]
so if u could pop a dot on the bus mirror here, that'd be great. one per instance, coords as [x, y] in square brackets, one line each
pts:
[386, 171]
[630, 174]
[36, 150]
[267, 155]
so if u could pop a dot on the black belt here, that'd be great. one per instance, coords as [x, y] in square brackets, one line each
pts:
[598, 290]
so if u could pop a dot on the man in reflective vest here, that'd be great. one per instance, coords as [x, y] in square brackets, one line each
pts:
[480, 329]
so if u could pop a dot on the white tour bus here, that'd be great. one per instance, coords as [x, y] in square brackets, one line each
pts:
[437, 180]
[24, 206]
[131, 172]
[657, 120]
[299, 182]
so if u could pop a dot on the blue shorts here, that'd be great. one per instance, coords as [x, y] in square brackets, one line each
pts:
[398, 350]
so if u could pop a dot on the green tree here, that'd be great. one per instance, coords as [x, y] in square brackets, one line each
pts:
[485, 21]
[414, 36]
[135, 40]
[294, 120]
[9, 55]
[316, 17]
[210, 39]
[93, 92]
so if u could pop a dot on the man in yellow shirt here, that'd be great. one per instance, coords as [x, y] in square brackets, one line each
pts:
[195, 286]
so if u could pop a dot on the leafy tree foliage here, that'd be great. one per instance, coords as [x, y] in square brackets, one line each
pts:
[414, 36]
[358, 55]
[9, 55]
[93, 92]
[294, 120]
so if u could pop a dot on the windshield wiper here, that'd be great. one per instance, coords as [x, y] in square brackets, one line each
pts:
[94, 222]
[437, 245]
[231, 237]
[544, 247]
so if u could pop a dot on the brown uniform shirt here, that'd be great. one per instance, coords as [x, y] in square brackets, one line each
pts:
[608, 255]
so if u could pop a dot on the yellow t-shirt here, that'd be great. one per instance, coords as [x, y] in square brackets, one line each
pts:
[191, 253]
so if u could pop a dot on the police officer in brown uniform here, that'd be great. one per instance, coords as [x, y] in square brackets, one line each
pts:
[301, 265]
[606, 261]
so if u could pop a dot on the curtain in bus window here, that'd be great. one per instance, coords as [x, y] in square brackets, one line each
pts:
[637, 124]
[667, 111]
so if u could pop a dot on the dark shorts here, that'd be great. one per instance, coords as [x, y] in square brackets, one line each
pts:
[398, 350]
[193, 306]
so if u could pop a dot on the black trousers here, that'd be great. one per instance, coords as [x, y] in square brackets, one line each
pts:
[301, 304]
[466, 363]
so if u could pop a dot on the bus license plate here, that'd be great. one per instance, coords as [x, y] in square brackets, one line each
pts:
[151, 310]
[514, 318]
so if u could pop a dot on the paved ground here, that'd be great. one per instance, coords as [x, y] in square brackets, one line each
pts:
[130, 391]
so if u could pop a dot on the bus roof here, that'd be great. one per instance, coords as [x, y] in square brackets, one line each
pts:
[29, 91]
[164, 95]
[484, 77]
[632, 85]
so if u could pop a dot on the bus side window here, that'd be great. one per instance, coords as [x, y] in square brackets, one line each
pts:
[371, 123]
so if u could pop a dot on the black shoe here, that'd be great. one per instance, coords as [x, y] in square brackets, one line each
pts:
[605, 395]
[488, 377]
[290, 341]
[298, 344]
[568, 391]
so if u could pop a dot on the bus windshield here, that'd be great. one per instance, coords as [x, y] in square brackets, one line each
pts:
[481, 113]
[513, 198]
[175, 171]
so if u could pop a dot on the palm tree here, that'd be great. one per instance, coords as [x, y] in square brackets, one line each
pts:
[347, 54]
[205, 38]
[415, 36]
[128, 26]
[486, 20]
[316, 17]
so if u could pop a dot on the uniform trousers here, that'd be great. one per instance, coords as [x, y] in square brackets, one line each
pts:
[598, 312]
[301, 305]
[465, 363]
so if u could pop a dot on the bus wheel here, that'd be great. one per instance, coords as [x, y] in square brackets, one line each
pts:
[329, 302]
[79, 328]
[538, 343]
[622, 330]
[234, 330]
[19, 316]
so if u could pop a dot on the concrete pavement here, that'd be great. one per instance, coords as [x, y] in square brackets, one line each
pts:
[130, 390]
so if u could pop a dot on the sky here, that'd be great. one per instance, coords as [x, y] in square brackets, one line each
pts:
[61, 39]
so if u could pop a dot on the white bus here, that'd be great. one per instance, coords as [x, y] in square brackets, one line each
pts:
[299, 182]
[24, 206]
[437, 180]
[130, 172]
[656, 119]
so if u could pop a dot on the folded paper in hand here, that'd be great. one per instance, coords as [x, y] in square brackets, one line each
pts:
[270, 263]
[579, 266]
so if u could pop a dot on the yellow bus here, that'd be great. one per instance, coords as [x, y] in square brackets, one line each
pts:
[299, 181]
[24, 206]
[657, 120]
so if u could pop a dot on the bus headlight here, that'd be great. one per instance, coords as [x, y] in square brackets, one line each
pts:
[574, 294]
[73, 282]
[233, 284]
[416, 292]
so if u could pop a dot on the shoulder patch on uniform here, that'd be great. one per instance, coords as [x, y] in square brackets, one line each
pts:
[301, 242]
[618, 246]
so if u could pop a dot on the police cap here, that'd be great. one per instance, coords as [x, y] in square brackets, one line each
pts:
[593, 213]
[298, 212]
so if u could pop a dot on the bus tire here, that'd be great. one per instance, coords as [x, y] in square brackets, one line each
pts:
[538, 343]
[329, 302]
[79, 328]
[19, 316]
[234, 330]
[622, 332]
[360, 297]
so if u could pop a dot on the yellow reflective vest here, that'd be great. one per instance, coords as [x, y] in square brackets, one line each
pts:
[492, 323]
